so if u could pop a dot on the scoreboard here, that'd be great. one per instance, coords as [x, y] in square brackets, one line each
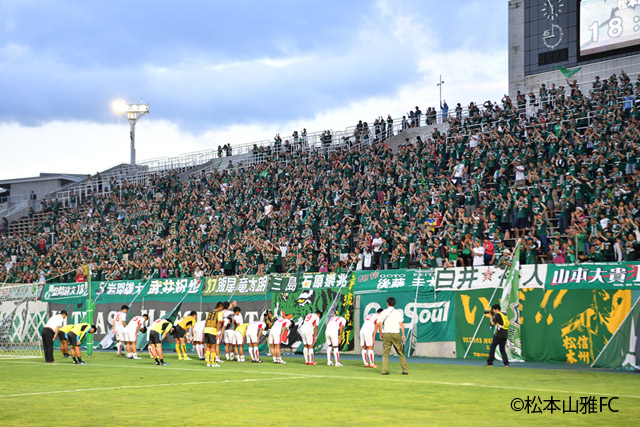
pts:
[572, 33]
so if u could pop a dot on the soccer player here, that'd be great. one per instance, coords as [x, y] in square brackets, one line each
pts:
[75, 336]
[335, 326]
[368, 331]
[64, 341]
[197, 336]
[211, 335]
[222, 324]
[254, 331]
[130, 335]
[50, 333]
[237, 335]
[275, 338]
[119, 323]
[182, 327]
[309, 333]
[159, 331]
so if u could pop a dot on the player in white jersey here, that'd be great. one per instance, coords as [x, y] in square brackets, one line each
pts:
[130, 334]
[221, 328]
[368, 331]
[197, 337]
[275, 338]
[309, 333]
[335, 326]
[237, 334]
[119, 323]
[254, 331]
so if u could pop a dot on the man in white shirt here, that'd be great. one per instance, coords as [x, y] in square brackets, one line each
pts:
[478, 253]
[335, 326]
[392, 328]
[50, 332]
[309, 333]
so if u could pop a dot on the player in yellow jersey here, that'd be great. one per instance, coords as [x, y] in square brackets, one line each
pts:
[211, 335]
[76, 335]
[64, 341]
[158, 332]
[182, 327]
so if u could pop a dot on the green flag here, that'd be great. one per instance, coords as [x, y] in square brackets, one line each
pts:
[621, 350]
[510, 302]
[173, 314]
[569, 73]
[264, 174]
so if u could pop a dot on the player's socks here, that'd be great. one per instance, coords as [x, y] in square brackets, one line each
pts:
[257, 353]
[184, 350]
[372, 356]
[275, 359]
[119, 347]
[364, 357]
[207, 356]
[336, 354]
[305, 351]
[329, 350]
[75, 360]
[178, 351]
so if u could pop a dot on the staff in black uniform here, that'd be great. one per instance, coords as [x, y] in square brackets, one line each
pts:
[49, 334]
[501, 323]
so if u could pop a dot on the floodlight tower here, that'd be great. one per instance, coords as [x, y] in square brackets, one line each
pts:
[131, 112]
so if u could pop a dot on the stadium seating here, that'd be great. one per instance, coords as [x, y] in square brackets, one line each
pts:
[555, 171]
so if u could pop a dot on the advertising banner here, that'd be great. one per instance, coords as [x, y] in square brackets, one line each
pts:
[611, 275]
[371, 281]
[431, 316]
[235, 285]
[303, 281]
[570, 326]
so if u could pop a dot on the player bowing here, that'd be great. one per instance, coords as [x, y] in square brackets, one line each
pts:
[254, 331]
[368, 331]
[76, 335]
[182, 327]
[130, 335]
[275, 338]
[309, 333]
[159, 331]
[335, 326]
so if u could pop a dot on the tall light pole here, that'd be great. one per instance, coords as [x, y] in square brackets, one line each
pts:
[132, 112]
[440, 83]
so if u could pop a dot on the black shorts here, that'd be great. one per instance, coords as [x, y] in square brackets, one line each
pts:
[210, 339]
[62, 336]
[180, 332]
[73, 339]
[155, 338]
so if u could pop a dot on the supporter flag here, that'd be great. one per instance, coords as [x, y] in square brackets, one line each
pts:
[264, 174]
[172, 315]
[510, 302]
[621, 350]
[569, 73]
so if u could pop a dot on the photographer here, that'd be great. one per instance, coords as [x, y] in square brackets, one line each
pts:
[500, 322]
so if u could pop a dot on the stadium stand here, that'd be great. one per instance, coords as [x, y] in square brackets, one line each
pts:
[556, 169]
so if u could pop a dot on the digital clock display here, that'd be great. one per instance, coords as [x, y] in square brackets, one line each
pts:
[607, 25]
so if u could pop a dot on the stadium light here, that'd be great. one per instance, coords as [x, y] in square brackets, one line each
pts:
[440, 83]
[132, 112]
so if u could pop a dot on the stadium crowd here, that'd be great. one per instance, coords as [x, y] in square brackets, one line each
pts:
[562, 180]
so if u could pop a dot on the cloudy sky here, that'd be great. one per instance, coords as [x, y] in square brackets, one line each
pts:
[218, 71]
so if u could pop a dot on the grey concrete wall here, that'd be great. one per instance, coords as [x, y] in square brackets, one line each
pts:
[516, 46]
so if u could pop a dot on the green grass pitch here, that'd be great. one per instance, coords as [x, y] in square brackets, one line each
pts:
[116, 391]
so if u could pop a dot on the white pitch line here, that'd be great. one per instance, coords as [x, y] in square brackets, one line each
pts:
[78, 390]
[404, 380]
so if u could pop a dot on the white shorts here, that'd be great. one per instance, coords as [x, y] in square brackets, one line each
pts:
[198, 335]
[275, 338]
[129, 335]
[229, 336]
[119, 335]
[333, 340]
[238, 339]
[366, 338]
[252, 336]
[307, 337]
